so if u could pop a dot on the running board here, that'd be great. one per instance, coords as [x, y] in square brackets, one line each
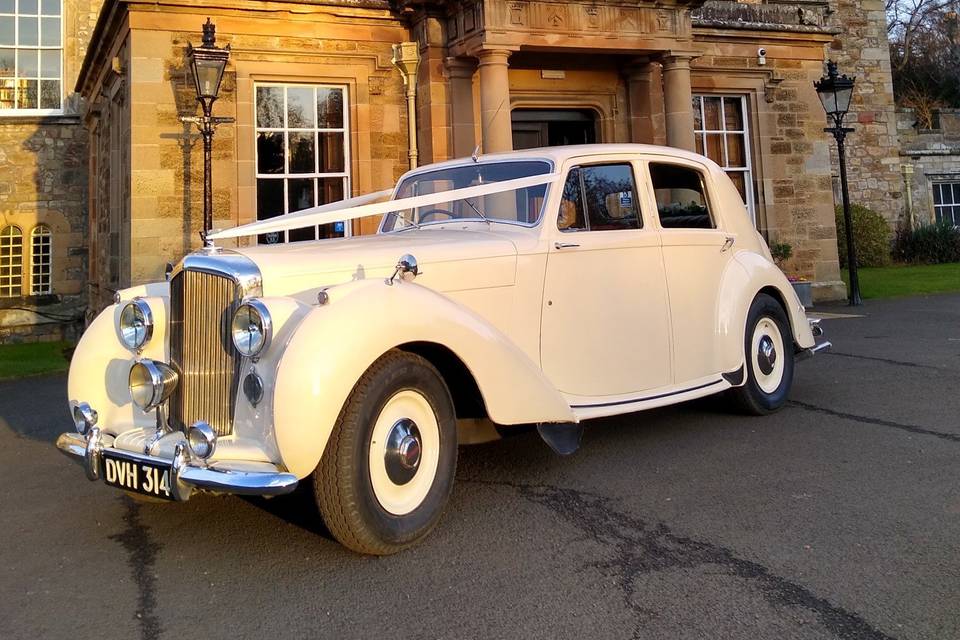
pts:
[563, 437]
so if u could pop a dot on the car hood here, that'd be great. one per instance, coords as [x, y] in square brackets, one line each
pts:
[449, 260]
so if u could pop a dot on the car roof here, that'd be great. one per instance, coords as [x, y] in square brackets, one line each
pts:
[558, 155]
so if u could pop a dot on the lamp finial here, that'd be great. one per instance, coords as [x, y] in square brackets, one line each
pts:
[209, 33]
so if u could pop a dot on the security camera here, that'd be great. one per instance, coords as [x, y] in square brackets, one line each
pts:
[761, 56]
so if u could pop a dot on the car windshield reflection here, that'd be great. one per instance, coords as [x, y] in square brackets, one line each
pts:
[518, 206]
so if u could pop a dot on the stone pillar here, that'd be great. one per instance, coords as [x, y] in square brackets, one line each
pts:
[645, 94]
[495, 100]
[460, 71]
[678, 101]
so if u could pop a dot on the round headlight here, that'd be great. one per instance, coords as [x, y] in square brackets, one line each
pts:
[84, 418]
[251, 328]
[202, 440]
[136, 324]
[151, 383]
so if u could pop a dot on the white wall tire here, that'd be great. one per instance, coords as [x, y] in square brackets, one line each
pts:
[388, 469]
[769, 357]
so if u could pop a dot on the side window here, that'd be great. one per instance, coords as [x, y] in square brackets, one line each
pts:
[599, 198]
[681, 197]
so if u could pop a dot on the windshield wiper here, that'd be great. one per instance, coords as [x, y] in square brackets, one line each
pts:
[479, 213]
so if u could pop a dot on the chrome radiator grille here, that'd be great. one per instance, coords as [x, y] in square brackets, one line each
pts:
[202, 351]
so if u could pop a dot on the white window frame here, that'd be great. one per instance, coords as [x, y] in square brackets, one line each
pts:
[9, 283]
[938, 189]
[43, 233]
[723, 132]
[5, 113]
[286, 176]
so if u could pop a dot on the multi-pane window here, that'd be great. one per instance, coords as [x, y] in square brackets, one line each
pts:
[40, 260]
[31, 52]
[302, 154]
[11, 262]
[721, 132]
[946, 202]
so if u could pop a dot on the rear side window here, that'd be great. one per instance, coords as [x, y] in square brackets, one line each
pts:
[681, 197]
[599, 198]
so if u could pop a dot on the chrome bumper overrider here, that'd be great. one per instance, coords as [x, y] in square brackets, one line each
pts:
[185, 475]
[817, 331]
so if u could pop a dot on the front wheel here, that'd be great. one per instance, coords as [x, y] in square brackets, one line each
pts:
[768, 351]
[388, 469]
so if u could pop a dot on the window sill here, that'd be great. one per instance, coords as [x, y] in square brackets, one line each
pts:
[38, 118]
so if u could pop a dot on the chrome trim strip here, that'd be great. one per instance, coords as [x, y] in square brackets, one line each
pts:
[644, 399]
[219, 478]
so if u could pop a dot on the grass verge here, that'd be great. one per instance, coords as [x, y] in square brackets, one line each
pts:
[907, 280]
[31, 359]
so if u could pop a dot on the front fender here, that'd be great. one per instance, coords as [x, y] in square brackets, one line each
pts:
[740, 287]
[336, 343]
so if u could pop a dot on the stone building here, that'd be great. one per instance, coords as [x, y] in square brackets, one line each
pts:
[325, 94]
[43, 174]
[931, 167]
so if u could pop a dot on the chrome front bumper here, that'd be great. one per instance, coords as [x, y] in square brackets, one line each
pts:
[186, 475]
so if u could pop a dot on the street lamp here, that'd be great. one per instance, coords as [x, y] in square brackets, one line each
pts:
[208, 63]
[835, 92]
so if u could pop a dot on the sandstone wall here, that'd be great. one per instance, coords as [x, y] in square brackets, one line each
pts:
[43, 181]
[934, 156]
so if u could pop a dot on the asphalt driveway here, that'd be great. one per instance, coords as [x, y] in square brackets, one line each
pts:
[839, 517]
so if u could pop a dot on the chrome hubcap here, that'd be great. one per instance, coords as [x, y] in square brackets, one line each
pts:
[766, 355]
[402, 456]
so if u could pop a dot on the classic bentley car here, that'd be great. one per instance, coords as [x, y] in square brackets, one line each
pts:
[543, 287]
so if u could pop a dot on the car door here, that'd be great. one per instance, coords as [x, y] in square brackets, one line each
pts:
[696, 252]
[605, 322]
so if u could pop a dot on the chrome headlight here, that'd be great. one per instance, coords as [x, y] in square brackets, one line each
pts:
[202, 440]
[251, 328]
[136, 324]
[84, 418]
[151, 383]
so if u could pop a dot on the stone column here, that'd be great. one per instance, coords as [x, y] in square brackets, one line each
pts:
[460, 72]
[645, 94]
[495, 100]
[678, 101]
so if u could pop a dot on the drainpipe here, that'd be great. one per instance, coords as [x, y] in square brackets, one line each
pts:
[907, 171]
[406, 58]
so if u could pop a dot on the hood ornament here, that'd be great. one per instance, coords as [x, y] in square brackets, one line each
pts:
[406, 265]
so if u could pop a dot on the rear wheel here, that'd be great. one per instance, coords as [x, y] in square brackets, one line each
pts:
[768, 351]
[388, 469]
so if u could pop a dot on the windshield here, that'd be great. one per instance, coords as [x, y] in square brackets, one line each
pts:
[519, 206]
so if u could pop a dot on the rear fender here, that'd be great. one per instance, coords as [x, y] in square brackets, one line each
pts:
[336, 343]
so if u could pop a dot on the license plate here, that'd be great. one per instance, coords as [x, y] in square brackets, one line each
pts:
[140, 477]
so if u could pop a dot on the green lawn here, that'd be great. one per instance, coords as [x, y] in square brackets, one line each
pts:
[907, 280]
[20, 360]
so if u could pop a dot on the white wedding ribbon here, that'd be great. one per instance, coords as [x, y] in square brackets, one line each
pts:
[366, 205]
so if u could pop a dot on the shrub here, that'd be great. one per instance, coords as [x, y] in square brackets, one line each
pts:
[871, 235]
[781, 252]
[928, 244]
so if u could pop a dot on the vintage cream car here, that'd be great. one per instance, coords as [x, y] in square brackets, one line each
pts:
[543, 287]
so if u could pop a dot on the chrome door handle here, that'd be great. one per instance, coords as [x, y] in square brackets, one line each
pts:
[564, 245]
[727, 243]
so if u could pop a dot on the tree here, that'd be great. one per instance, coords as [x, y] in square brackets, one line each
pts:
[924, 55]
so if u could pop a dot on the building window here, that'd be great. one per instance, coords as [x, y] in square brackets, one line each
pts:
[302, 156]
[11, 262]
[40, 260]
[31, 56]
[946, 202]
[721, 132]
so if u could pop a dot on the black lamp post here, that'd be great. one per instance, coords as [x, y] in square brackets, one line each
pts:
[208, 63]
[835, 92]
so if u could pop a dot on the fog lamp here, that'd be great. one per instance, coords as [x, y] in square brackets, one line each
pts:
[136, 324]
[251, 328]
[202, 440]
[84, 418]
[151, 383]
